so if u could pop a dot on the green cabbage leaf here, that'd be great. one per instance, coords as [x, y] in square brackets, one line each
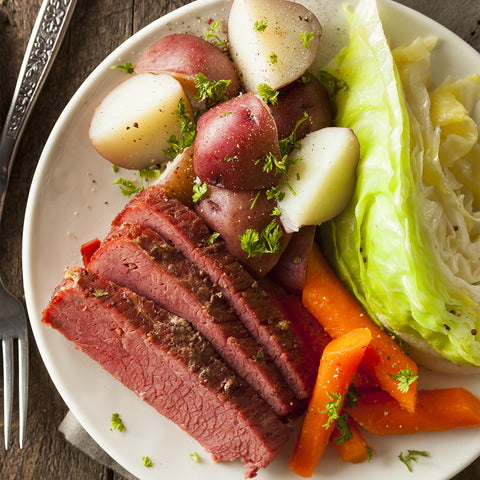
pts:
[408, 244]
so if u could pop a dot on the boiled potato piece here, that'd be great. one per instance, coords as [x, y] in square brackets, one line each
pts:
[184, 56]
[323, 180]
[132, 124]
[178, 177]
[272, 41]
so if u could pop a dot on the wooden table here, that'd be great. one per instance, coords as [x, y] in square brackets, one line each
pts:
[97, 27]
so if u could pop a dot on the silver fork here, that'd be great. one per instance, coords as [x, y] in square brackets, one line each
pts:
[47, 34]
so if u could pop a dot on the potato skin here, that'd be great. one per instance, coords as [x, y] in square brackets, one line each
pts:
[184, 56]
[289, 272]
[297, 98]
[231, 138]
[229, 213]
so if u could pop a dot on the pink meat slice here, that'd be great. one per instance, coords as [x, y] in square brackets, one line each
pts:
[170, 366]
[182, 227]
[138, 258]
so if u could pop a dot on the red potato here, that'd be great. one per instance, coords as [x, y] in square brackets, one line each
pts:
[298, 98]
[179, 177]
[289, 271]
[230, 213]
[232, 140]
[184, 56]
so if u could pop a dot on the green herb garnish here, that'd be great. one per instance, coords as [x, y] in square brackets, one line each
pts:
[260, 25]
[307, 37]
[273, 58]
[187, 131]
[213, 237]
[147, 462]
[212, 34]
[344, 428]
[267, 241]
[199, 190]
[332, 408]
[268, 94]
[117, 423]
[404, 378]
[210, 91]
[127, 187]
[126, 67]
[411, 456]
[195, 458]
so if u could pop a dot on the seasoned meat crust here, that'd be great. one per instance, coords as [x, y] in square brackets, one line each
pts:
[140, 259]
[182, 228]
[170, 366]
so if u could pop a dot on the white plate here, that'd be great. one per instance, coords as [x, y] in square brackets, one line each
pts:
[72, 200]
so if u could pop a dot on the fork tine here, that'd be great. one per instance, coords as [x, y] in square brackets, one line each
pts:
[7, 346]
[22, 386]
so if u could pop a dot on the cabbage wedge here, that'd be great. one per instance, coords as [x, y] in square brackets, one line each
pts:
[408, 244]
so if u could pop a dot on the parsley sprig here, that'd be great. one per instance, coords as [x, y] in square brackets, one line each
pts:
[187, 131]
[117, 423]
[126, 67]
[404, 378]
[344, 429]
[268, 94]
[212, 34]
[210, 91]
[268, 240]
[332, 408]
[411, 456]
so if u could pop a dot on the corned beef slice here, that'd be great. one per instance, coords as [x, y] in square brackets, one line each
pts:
[138, 258]
[181, 227]
[163, 360]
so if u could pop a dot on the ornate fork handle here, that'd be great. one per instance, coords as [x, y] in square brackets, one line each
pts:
[46, 37]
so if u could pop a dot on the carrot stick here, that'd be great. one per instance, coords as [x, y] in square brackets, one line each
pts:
[338, 365]
[338, 311]
[355, 449]
[436, 410]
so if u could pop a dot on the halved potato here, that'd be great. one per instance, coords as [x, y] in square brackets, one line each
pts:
[323, 180]
[272, 41]
[132, 124]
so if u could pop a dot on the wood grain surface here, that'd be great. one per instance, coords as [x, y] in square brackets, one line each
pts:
[97, 27]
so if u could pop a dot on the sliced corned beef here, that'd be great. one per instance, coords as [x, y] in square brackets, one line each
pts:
[163, 360]
[139, 258]
[181, 227]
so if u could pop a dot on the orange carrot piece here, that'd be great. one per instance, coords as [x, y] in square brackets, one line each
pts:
[354, 450]
[436, 410]
[338, 365]
[338, 311]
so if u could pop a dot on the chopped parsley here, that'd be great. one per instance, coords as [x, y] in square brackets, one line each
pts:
[194, 457]
[287, 144]
[351, 398]
[332, 408]
[260, 25]
[404, 378]
[344, 429]
[210, 91]
[187, 131]
[212, 34]
[268, 94]
[115, 168]
[307, 37]
[126, 67]
[117, 423]
[411, 456]
[256, 243]
[199, 190]
[273, 58]
[147, 462]
[127, 187]
[213, 237]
